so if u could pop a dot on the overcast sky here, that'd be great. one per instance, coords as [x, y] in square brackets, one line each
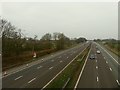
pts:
[90, 20]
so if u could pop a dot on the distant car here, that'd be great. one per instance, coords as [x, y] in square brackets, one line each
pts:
[98, 52]
[92, 56]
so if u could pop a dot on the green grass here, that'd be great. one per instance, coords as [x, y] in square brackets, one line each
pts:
[16, 61]
[114, 50]
[72, 72]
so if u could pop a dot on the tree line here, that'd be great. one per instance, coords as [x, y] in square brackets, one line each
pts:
[16, 47]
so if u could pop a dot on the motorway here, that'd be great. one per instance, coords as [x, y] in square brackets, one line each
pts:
[98, 73]
[38, 75]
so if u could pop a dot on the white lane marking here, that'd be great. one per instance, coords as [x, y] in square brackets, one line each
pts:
[67, 57]
[31, 80]
[52, 60]
[106, 62]
[96, 61]
[110, 55]
[82, 70]
[26, 65]
[17, 71]
[118, 82]
[18, 77]
[42, 59]
[110, 69]
[97, 79]
[61, 61]
[61, 70]
[39, 67]
[0, 54]
[96, 67]
[59, 56]
[50, 67]
[21, 69]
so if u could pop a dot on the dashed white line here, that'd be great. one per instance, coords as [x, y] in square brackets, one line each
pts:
[110, 55]
[52, 60]
[118, 82]
[39, 67]
[67, 57]
[106, 62]
[50, 67]
[110, 69]
[31, 80]
[59, 56]
[61, 61]
[96, 61]
[61, 70]
[96, 67]
[104, 57]
[18, 77]
[97, 79]
[26, 65]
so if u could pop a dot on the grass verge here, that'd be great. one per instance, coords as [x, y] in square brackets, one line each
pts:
[69, 76]
[18, 61]
[113, 50]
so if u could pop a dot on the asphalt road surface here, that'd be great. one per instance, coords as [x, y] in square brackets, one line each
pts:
[97, 73]
[40, 74]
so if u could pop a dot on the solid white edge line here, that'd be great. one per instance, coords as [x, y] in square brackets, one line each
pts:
[97, 79]
[31, 80]
[23, 68]
[18, 70]
[51, 68]
[18, 77]
[110, 69]
[81, 71]
[118, 82]
[61, 70]
[109, 54]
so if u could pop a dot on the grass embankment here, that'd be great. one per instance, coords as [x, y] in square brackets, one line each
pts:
[11, 62]
[17, 60]
[114, 50]
[69, 76]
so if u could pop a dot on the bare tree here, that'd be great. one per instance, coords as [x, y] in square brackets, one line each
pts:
[47, 39]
